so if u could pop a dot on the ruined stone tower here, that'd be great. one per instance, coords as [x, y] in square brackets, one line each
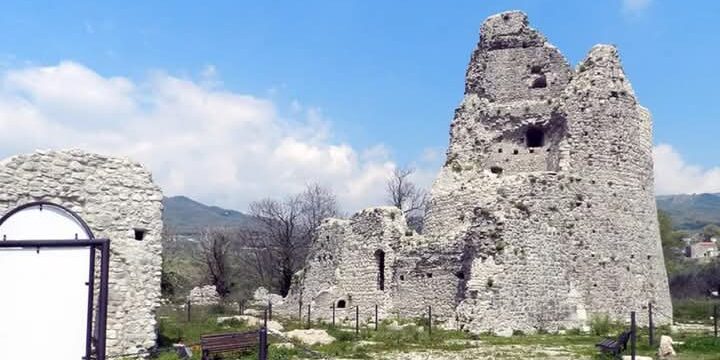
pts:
[542, 215]
[548, 186]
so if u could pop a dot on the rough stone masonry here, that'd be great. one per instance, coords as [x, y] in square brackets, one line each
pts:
[542, 216]
[119, 201]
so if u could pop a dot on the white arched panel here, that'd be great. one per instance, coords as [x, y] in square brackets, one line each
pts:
[43, 222]
[44, 301]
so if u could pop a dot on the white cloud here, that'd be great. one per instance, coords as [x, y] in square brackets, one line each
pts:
[674, 176]
[635, 6]
[223, 147]
[72, 91]
[198, 139]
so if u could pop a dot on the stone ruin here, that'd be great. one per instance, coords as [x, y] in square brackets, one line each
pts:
[204, 295]
[119, 201]
[542, 215]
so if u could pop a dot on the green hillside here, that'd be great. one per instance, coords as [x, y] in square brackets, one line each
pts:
[185, 216]
[691, 212]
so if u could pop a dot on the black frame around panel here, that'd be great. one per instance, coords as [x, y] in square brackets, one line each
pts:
[101, 317]
[103, 245]
[40, 204]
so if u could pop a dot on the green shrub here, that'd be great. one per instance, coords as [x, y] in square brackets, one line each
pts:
[168, 356]
[281, 354]
[705, 344]
[217, 309]
[234, 323]
[600, 324]
[340, 335]
[693, 309]
[573, 332]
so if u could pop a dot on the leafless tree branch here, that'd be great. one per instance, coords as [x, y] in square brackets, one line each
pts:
[215, 254]
[287, 227]
[404, 194]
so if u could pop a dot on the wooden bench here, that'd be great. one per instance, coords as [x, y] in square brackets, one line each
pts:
[615, 346]
[234, 342]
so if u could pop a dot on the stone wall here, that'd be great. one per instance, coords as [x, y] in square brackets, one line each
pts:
[542, 216]
[344, 269]
[427, 276]
[344, 266]
[115, 197]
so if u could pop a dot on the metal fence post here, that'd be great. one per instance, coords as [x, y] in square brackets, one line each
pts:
[269, 310]
[308, 316]
[265, 319]
[357, 319]
[715, 319]
[651, 329]
[333, 314]
[189, 304]
[633, 335]
[262, 344]
[376, 317]
[429, 320]
[240, 309]
[300, 312]
[715, 313]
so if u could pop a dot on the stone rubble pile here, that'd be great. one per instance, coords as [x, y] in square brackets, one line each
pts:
[204, 295]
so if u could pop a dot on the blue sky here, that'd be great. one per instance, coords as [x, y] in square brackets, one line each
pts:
[364, 85]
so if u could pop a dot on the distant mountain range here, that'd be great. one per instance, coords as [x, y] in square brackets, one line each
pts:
[691, 212]
[186, 216]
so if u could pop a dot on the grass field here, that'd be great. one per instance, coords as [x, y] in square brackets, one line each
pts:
[414, 341]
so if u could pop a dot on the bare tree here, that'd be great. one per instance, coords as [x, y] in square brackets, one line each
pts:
[168, 234]
[286, 230]
[215, 254]
[168, 279]
[404, 194]
[318, 203]
[281, 224]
